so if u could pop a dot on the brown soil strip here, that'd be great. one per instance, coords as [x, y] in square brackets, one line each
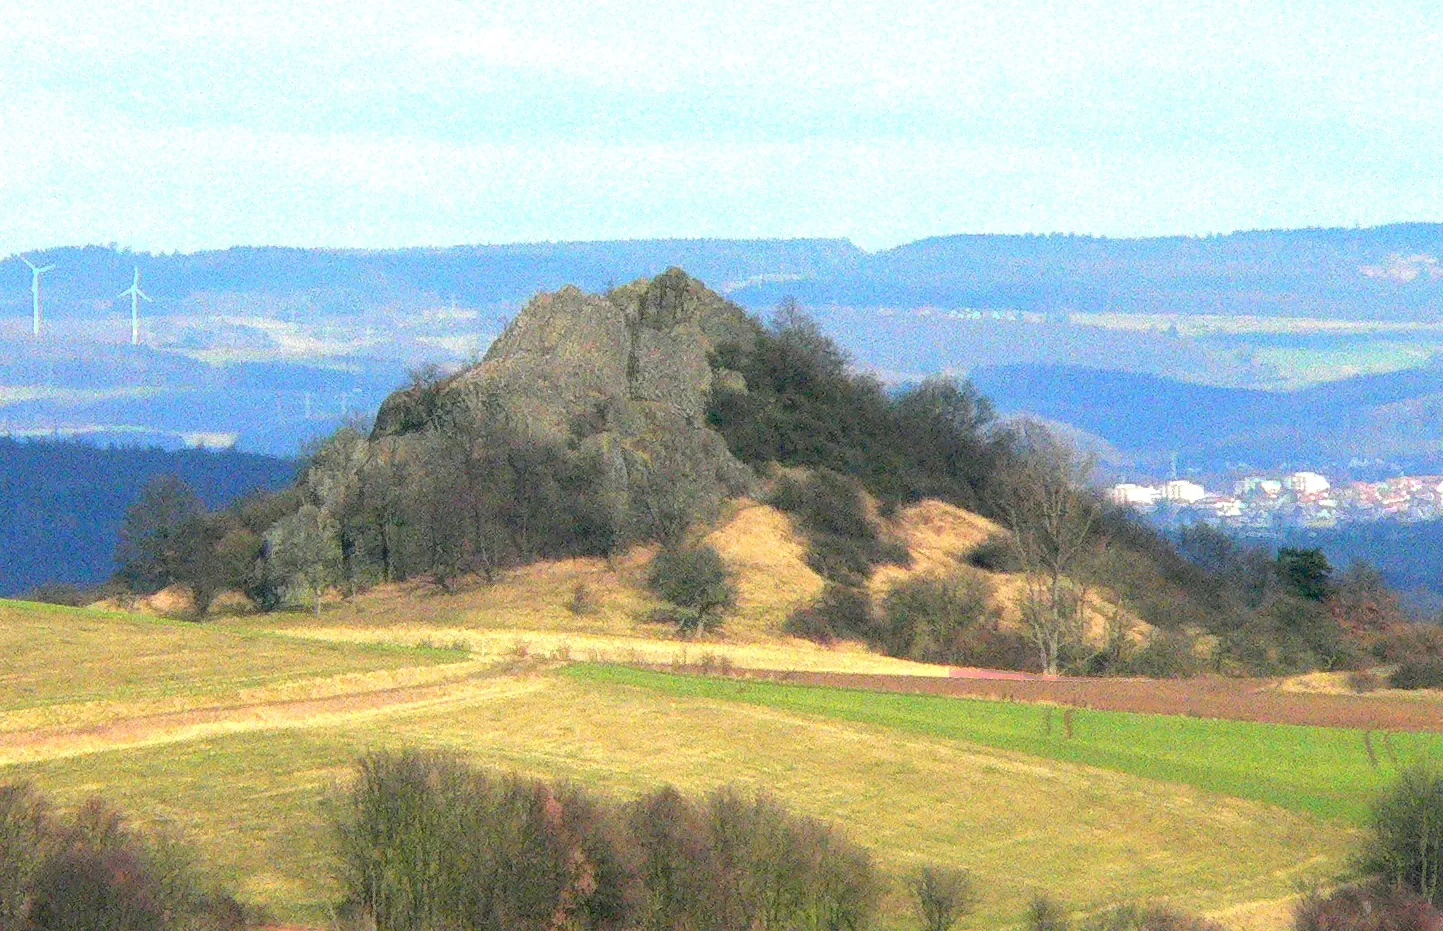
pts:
[1233, 699]
[51, 742]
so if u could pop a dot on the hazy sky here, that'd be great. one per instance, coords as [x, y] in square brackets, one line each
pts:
[165, 125]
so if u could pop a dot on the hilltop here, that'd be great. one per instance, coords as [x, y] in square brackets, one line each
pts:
[634, 426]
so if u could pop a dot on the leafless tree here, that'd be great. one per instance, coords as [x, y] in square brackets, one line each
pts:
[1051, 512]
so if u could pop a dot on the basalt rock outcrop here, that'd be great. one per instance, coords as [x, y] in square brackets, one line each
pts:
[624, 377]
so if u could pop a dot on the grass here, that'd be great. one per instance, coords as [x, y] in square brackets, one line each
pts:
[281, 713]
[1324, 772]
[57, 655]
[1023, 824]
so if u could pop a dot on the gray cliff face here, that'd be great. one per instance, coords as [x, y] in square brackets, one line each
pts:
[624, 377]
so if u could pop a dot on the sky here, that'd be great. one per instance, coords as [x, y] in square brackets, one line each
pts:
[179, 126]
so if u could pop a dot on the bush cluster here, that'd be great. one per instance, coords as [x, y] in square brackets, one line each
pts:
[1405, 847]
[840, 613]
[1373, 906]
[994, 554]
[95, 871]
[940, 618]
[843, 542]
[1050, 915]
[1418, 674]
[427, 841]
[695, 580]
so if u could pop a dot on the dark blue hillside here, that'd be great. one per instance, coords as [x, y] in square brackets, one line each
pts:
[62, 503]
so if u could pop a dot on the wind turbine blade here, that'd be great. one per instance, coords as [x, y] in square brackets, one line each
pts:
[28, 262]
[48, 268]
[125, 293]
[145, 297]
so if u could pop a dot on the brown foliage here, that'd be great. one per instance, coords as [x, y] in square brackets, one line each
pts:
[1373, 907]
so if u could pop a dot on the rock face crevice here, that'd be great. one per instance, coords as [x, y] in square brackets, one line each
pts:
[623, 376]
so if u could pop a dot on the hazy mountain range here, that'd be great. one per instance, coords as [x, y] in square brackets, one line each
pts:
[1389, 272]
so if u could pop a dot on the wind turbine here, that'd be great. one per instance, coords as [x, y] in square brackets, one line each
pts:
[136, 296]
[35, 272]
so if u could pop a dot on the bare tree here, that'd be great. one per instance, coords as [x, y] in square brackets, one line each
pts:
[941, 896]
[1050, 511]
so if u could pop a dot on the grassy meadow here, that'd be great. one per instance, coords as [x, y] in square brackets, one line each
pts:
[57, 655]
[1023, 823]
[235, 732]
[1326, 772]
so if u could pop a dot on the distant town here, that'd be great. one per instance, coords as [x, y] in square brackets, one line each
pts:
[1265, 503]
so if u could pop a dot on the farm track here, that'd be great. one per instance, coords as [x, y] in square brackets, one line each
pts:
[46, 743]
[1253, 700]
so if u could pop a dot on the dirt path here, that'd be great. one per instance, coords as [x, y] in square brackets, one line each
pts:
[1233, 699]
[61, 741]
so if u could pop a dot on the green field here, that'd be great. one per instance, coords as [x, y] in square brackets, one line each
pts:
[1320, 771]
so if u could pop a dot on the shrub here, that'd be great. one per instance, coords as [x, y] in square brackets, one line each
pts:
[941, 896]
[427, 841]
[931, 619]
[839, 559]
[840, 612]
[1047, 914]
[1405, 848]
[1362, 681]
[678, 866]
[843, 544]
[994, 554]
[1050, 915]
[694, 578]
[82, 889]
[96, 872]
[1371, 907]
[827, 503]
[779, 870]
[1166, 654]
[583, 601]
[1418, 674]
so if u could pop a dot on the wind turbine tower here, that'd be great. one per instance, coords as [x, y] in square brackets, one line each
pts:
[136, 296]
[35, 272]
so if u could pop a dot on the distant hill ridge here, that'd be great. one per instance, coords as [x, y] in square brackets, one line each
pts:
[1150, 416]
[1386, 272]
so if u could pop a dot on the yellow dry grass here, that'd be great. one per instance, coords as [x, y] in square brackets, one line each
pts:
[562, 646]
[534, 597]
[17, 727]
[52, 657]
[125, 734]
[939, 537]
[252, 798]
[1337, 683]
[762, 548]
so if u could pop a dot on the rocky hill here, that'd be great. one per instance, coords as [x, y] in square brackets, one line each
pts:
[623, 377]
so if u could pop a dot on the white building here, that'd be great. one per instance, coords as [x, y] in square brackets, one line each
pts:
[1307, 483]
[1181, 491]
[1130, 495]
